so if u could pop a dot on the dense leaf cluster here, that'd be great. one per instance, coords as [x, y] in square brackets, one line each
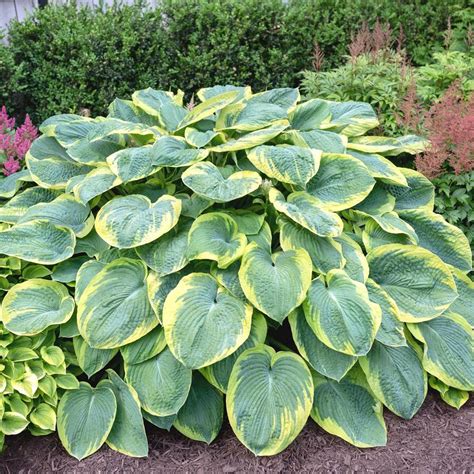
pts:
[181, 246]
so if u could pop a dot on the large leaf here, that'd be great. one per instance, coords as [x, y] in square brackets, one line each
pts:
[204, 322]
[443, 239]
[340, 313]
[218, 373]
[132, 164]
[98, 181]
[464, 303]
[308, 115]
[286, 163]
[326, 361]
[169, 253]
[9, 185]
[85, 418]
[351, 118]
[128, 434]
[448, 345]
[325, 252]
[217, 184]
[418, 281]
[200, 418]
[175, 152]
[162, 383]
[131, 221]
[91, 360]
[341, 182]
[269, 399]
[396, 377]
[49, 164]
[347, 409]
[145, 348]
[38, 241]
[114, 308]
[306, 211]
[275, 283]
[215, 236]
[33, 305]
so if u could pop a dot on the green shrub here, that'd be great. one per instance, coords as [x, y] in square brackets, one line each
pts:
[195, 239]
[382, 80]
[71, 58]
[434, 79]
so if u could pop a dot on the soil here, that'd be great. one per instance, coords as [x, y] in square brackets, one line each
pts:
[437, 439]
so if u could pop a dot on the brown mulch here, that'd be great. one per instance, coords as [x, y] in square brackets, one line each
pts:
[438, 439]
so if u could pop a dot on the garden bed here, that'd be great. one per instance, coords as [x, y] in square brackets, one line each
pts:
[438, 439]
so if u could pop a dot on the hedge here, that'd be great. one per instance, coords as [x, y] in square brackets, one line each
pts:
[64, 58]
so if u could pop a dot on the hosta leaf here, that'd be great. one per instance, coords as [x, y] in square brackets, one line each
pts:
[452, 396]
[44, 417]
[132, 164]
[389, 146]
[131, 221]
[93, 184]
[390, 331]
[275, 283]
[286, 163]
[328, 142]
[31, 306]
[374, 236]
[392, 224]
[269, 399]
[306, 211]
[443, 239]
[252, 139]
[284, 97]
[396, 377]
[229, 278]
[145, 348]
[208, 108]
[308, 115]
[175, 152]
[114, 309]
[16, 207]
[13, 423]
[49, 164]
[162, 105]
[377, 203]
[169, 253]
[348, 410]
[94, 153]
[340, 313]
[64, 211]
[218, 374]
[85, 418]
[162, 383]
[341, 182]
[203, 322]
[448, 349]
[111, 126]
[159, 288]
[356, 265]
[209, 92]
[418, 281]
[162, 422]
[464, 303]
[215, 236]
[351, 118]
[128, 111]
[91, 360]
[128, 434]
[85, 274]
[49, 126]
[418, 194]
[193, 205]
[325, 252]
[380, 167]
[66, 272]
[200, 418]
[197, 138]
[91, 244]
[70, 132]
[9, 185]
[215, 184]
[326, 361]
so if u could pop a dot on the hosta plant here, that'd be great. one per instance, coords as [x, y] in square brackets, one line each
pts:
[252, 254]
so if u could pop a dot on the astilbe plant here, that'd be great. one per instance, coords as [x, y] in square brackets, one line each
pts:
[14, 143]
[449, 124]
[252, 254]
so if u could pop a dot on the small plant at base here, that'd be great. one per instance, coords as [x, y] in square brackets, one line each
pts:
[197, 242]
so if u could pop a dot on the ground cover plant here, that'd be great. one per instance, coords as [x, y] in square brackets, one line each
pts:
[249, 253]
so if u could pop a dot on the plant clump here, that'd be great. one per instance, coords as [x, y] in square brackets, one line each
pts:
[254, 254]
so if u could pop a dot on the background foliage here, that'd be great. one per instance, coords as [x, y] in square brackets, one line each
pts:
[63, 59]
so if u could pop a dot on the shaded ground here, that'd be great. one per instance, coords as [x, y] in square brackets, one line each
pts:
[438, 439]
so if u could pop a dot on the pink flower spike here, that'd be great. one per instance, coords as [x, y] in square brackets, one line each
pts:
[11, 166]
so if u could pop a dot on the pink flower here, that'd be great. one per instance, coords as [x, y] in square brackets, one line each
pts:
[11, 166]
